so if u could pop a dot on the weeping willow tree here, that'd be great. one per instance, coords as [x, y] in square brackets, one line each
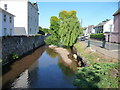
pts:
[64, 29]
[54, 31]
[70, 28]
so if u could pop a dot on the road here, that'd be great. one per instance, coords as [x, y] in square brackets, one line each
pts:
[109, 46]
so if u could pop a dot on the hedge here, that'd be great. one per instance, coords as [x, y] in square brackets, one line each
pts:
[98, 36]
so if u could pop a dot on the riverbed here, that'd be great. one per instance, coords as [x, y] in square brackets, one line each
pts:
[44, 68]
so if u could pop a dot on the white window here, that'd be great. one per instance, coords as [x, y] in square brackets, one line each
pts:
[5, 32]
[10, 32]
[5, 6]
[5, 18]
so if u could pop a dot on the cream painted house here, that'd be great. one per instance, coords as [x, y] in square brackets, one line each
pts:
[104, 26]
[89, 30]
[26, 15]
[6, 23]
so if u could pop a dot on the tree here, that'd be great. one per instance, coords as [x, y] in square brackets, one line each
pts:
[41, 31]
[69, 28]
[54, 31]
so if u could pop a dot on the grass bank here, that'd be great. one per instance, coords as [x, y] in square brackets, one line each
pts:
[101, 73]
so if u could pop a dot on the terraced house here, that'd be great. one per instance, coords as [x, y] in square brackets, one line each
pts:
[104, 26]
[6, 23]
[26, 15]
[115, 35]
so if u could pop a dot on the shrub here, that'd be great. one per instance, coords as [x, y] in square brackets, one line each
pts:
[52, 40]
[0, 60]
[98, 36]
[13, 56]
[97, 75]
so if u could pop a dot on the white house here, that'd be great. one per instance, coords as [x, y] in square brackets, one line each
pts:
[89, 30]
[104, 26]
[26, 15]
[6, 23]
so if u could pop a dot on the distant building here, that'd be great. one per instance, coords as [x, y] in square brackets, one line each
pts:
[84, 30]
[26, 15]
[115, 35]
[6, 23]
[89, 30]
[104, 26]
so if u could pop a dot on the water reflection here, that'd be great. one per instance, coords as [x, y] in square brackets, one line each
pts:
[65, 69]
[51, 53]
[14, 71]
[22, 81]
[49, 71]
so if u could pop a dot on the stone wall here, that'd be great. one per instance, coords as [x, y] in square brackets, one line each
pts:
[19, 45]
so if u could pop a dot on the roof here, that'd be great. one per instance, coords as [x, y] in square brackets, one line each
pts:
[103, 23]
[34, 5]
[6, 11]
[84, 27]
[91, 26]
[117, 12]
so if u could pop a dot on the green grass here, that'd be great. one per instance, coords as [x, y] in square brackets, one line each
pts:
[88, 55]
[100, 74]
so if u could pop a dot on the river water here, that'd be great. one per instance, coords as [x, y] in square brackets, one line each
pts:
[47, 71]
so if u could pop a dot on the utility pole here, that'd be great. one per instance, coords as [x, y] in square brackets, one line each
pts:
[81, 22]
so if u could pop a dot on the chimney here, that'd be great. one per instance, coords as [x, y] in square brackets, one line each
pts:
[35, 2]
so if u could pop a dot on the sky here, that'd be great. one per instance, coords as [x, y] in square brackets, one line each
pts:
[88, 13]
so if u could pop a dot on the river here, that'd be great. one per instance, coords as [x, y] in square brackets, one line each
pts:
[44, 68]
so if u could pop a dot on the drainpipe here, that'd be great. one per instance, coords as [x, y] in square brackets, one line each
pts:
[110, 36]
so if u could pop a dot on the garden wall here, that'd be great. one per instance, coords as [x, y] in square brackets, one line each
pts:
[19, 45]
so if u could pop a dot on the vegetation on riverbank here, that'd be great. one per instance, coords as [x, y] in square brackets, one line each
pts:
[102, 73]
[64, 29]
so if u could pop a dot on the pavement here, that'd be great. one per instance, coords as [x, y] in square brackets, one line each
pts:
[111, 49]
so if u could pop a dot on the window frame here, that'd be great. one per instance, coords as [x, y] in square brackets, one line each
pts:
[10, 31]
[10, 19]
[5, 17]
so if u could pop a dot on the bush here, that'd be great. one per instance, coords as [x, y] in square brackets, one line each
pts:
[98, 36]
[13, 56]
[52, 40]
[97, 76]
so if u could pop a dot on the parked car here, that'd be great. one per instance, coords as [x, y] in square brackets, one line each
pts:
[82, 38]
[79, 38]
[86, 37]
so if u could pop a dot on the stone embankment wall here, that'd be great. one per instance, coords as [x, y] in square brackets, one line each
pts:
[19, 45]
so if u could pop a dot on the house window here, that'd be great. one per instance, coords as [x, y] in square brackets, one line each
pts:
[5, 18]
[5, 32]
[5, 6]
[30, 30]
[10, 31]
[10, 19]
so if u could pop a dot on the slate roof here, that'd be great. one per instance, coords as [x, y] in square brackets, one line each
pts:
[6, 11]
[117, 12]
[103, 23]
